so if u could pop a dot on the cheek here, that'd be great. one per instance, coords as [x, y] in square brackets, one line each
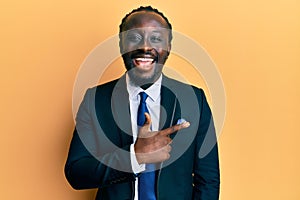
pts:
[127, 48]
[163, 54]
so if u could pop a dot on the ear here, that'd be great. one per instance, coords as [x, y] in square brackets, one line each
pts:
[121, 46]
[169, 47]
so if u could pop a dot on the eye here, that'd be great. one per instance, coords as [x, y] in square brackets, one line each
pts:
[156, 39]
[134, 37]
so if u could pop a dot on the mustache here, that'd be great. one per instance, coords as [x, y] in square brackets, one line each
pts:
[152, 53]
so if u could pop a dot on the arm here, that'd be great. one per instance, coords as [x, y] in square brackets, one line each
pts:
[206, 168]
[92, 161]
[84, 171]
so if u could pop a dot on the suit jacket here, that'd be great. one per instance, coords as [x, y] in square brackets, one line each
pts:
[99, 155]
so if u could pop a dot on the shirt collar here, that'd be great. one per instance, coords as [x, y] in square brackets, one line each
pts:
[134, 90]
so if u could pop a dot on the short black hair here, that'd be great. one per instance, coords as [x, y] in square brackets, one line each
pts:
[142, 8]
[148, 9]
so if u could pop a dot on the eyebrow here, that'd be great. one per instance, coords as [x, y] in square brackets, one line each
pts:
[156, 31]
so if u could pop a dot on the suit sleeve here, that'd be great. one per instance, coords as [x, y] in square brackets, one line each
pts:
[87, 166]
[206, 167]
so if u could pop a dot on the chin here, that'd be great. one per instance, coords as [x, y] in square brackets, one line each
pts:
[142, 79]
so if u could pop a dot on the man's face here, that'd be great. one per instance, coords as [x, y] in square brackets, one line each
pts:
[145, 46]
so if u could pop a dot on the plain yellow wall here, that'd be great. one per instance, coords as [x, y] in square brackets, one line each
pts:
[255, 44]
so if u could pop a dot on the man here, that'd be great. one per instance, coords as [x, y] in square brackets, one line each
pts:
[139, 137]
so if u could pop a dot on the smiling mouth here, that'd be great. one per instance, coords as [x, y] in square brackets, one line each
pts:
[143, 62]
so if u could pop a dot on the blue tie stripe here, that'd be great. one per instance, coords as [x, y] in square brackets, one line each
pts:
[146, 186]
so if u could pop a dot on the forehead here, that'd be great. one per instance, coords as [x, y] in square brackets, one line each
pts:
[145, 19]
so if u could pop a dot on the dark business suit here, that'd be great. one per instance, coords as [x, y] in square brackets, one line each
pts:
[103, 124]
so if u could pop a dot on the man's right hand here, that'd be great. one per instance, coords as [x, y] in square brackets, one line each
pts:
[154, 146]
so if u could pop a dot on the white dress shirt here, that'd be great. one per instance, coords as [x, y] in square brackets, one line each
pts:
[153, 105]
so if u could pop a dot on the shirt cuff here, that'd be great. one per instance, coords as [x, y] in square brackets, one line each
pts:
[136, 167]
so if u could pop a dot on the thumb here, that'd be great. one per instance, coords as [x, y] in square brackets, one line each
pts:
[147, 121]
[144, 131]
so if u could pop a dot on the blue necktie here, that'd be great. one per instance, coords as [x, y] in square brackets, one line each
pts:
[146, 186]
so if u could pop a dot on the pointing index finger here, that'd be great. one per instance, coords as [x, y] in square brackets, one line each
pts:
[172, 129]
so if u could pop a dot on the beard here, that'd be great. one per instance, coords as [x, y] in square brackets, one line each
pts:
[141, 80]
[137, 75]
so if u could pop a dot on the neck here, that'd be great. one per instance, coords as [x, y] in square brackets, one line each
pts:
[146, 86]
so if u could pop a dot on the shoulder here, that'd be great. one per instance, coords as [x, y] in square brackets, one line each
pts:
[108, 87]
[102, 91]
[105, 86]
[180, 87]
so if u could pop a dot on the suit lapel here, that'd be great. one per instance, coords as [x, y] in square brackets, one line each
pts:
[112, 109]
[170, 111]
[121, 111]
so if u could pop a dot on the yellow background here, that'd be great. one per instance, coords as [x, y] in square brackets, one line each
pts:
[255, 44]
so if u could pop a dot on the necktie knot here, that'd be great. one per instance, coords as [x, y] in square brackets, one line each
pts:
[142, 109]
[143, 96]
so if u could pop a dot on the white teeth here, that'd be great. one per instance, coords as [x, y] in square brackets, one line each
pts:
[144, 59]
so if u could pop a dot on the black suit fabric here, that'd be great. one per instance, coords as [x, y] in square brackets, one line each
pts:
[99, 155]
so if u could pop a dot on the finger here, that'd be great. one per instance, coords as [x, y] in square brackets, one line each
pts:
[168, 140]
[168, 148]
[164, 141]
[147, 123]
[148, 118]
[174, 128]
[146, 133]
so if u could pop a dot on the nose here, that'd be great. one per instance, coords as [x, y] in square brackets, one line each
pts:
[145, 44]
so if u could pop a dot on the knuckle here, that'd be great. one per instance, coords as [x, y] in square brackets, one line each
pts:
[163, 132]
[166, 142]
[167, 156]
[173, 128]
